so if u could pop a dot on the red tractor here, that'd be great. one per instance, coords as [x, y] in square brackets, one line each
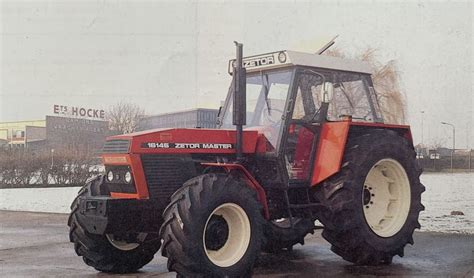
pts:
[309, 144]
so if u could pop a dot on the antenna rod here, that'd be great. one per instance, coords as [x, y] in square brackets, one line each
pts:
[327, 46]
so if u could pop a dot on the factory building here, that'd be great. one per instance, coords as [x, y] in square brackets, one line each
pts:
[19, 134]
[70, 131]
[200, 118]
[54, 132]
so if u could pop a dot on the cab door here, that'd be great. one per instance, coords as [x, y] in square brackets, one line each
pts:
[303, 127]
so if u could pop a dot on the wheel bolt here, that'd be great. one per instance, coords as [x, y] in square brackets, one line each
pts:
[367, 207]
[371, 202]
[373, 195]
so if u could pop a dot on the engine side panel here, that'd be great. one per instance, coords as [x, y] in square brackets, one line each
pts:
[166, 173]
[185, 141]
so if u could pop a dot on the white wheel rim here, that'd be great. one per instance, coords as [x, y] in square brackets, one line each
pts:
[386, 197]
[238, 238]
[122, 244]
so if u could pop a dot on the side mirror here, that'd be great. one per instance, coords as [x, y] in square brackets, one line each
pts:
[218, 121]
[327, 91]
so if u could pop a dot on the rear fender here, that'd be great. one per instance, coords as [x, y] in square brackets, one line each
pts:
[330, 151]
[402, 130]
[249, 180]
[332, 144]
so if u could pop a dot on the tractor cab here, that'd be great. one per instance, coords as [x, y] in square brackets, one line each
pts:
[291, 95]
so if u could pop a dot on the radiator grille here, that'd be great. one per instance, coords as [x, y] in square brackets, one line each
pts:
[166, 173]
[116, 146]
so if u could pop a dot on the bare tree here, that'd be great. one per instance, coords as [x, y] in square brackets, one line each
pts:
[437, 143]
[124, 117]
[386, 84]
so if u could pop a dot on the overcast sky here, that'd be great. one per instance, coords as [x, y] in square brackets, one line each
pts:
[168, 56]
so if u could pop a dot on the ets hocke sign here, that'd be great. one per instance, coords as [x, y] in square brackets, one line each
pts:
[78, 111]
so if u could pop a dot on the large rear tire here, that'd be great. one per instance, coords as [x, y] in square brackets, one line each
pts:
[213, 228]
[109, 253]
[373, 203]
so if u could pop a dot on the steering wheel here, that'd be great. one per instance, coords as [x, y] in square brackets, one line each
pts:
[270, 117]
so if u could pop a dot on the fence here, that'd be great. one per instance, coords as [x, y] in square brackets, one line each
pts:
[434, 161]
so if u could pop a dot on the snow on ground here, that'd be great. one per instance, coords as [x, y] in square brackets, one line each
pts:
[444, 193]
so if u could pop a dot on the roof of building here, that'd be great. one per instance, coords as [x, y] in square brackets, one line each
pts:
[182, 112]
[23, 122]
[287, 58]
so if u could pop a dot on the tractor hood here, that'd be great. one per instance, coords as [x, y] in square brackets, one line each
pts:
[184, 140]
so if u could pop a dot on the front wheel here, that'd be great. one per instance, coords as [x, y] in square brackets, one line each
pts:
[372, 204]
[213, 228]
[113, 253]
[280, 235]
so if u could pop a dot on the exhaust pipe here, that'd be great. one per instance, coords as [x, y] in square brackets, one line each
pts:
[239, 107]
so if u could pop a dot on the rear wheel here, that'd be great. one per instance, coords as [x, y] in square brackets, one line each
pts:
[213, 227]
[373, 203]
[386, 197]
[115, 253]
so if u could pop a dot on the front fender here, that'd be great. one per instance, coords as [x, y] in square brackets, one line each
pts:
[250, 181]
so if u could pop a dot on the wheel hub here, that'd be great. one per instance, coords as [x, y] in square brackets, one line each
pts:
[217, 233]
[366, 196]
[226, 235]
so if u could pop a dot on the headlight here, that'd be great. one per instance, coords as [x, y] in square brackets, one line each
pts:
[128, 177]
[110, 176]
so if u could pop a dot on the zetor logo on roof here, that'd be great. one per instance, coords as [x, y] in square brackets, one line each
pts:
[260, 61]
[264, 60]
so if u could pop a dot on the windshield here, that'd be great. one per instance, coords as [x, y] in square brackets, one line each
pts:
[266, 97]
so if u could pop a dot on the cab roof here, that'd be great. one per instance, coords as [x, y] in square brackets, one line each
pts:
[285, 58]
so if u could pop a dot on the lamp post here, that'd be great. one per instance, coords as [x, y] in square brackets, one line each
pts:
[422, 114]
[52, 158]
[454, 142]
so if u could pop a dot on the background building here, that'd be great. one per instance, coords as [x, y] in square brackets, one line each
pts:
[200, 117]
[55, 132]
[19, 134]
[69, 132]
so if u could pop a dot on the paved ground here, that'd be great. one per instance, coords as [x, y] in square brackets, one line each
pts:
[36, 244]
